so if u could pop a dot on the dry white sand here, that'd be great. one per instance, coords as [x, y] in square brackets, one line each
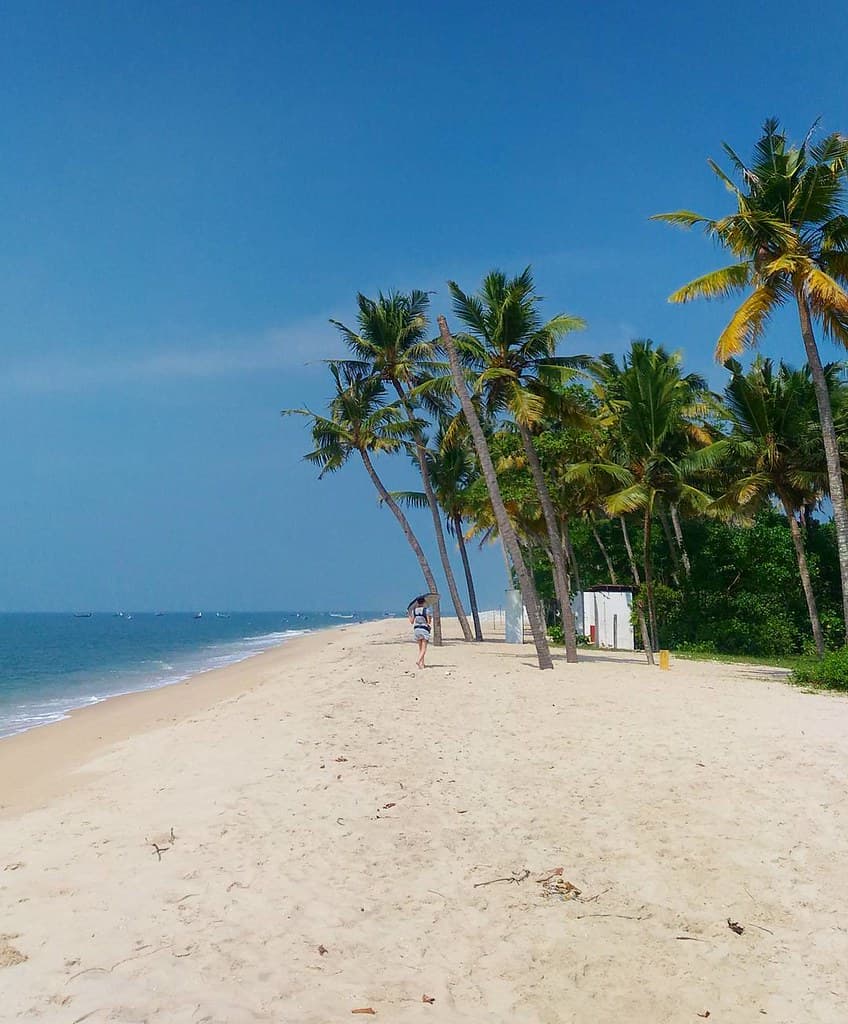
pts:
[333, 810]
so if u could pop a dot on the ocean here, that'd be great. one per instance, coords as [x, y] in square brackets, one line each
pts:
[53, 663]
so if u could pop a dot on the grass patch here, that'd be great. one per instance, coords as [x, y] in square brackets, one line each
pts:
[829, 673]
[787, 661]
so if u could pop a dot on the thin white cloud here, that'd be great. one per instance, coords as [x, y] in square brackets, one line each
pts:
[300, 344]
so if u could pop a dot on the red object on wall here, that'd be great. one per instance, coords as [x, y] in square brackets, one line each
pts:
[592, 629]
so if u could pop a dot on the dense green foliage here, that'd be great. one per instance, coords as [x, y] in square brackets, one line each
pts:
[743, 595]
[828, 673]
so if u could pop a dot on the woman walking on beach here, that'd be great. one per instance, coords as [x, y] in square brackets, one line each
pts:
[419, 618]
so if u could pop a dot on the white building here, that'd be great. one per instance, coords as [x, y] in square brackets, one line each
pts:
[603, 614]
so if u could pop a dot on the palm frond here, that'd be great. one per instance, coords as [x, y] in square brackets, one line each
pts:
[824, 292]
[526, 407]
[409, 499]
[682, 218]
[630, 499]
[586, 472]
[836, 264]
[564, 324]
[747, 323]
[717, 284]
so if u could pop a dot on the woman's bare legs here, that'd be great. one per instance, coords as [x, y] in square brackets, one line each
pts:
[422, 651]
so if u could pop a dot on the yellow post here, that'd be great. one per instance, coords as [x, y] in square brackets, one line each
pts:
[664, 660]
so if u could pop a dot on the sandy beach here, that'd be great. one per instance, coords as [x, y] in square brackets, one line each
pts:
[324, 829]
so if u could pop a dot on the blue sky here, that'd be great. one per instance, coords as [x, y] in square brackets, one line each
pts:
[190, 191]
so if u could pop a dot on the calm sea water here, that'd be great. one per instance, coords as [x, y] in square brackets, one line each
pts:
[51, 664]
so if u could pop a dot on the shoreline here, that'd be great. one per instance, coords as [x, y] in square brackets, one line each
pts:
[54, 751]
[158, 661]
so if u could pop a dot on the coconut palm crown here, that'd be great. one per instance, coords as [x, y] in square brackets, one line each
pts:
[359, 420]
[509, 345]
[789, 234]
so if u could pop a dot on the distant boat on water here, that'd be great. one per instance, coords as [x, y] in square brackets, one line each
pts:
[339, 615]
[199, 615]
[82, 615]
[218, 615]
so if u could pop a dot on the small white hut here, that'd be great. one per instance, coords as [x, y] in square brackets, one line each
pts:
[603, 613]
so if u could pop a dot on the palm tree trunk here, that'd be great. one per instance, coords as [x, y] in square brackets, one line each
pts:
[831, 446]
[469, 580]
[649, 572]
[571, 554]
[507, 564]
[421, 453]
[427, 572]
[525, 580]
[640, 611]
[634, 566]
[563, 591]
[678, 535]
[603, 550]
[806, 581]
[671, 543]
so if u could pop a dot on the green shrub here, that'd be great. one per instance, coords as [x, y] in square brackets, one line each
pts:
[697, 647]
[829, 673]
[557, 637]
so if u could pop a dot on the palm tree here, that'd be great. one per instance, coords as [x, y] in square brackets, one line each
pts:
[596, 481]
[359, 422]
[771, 450]
[391, 344]
[651, 411]
[789, 237]
[513, 350]
[525, 580]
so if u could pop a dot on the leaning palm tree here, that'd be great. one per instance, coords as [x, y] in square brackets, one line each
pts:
[789, 238]
[505, 528]
[360, 422]
[513, 350]
[391, 344]
[772, 453]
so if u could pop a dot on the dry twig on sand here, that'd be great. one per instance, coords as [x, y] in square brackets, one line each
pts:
[515, 877]
[622, 917]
